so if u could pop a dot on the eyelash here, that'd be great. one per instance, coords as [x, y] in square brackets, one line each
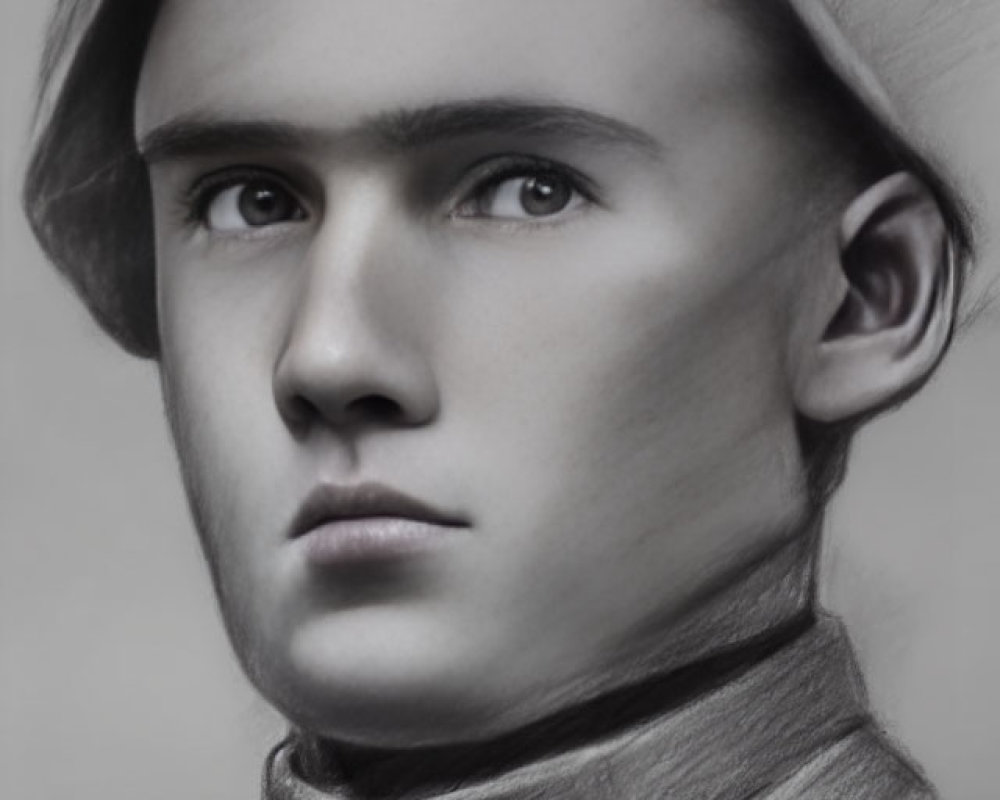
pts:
[203, 192]
[486, 175]
[489, 174]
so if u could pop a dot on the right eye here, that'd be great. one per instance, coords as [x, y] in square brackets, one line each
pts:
[253, 203]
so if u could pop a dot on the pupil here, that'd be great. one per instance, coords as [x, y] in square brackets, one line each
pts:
[261, 204]
[545, 194]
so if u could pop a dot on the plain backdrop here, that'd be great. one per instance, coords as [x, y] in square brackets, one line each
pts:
[115, 677]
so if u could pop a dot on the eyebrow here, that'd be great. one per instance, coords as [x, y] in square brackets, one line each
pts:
[402, 129]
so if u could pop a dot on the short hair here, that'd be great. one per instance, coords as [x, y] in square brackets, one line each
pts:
[88, 200]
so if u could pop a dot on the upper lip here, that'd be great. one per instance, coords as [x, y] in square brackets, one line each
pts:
[330, 502]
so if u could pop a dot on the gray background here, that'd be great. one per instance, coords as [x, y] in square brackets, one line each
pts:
[115, 678]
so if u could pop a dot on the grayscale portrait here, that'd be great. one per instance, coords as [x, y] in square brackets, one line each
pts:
[507, 372]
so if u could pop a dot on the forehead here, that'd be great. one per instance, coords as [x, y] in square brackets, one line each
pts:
[331, 62]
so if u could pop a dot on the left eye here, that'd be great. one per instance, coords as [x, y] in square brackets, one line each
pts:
[251, 204]
[526, 196]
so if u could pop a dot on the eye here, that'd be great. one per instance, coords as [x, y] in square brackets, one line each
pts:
[527, 193]
[252, 203]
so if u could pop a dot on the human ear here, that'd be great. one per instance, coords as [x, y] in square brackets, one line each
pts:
[894, 301]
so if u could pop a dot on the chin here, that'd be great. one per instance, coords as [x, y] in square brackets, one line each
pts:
[383, 678]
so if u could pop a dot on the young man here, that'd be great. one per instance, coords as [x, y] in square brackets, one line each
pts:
[511, 352]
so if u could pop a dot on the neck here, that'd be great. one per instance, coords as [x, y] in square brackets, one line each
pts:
[730, 628]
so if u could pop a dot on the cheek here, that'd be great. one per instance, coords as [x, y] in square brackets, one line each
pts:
[216, 377]
[223, 308]
[625, 341]
[210, 363]
[632, 404]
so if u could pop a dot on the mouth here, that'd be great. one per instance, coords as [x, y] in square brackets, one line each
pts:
[368, 522]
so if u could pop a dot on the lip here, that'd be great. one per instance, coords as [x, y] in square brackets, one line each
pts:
[368, 522]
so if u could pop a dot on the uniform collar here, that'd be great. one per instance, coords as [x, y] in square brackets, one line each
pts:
[765, 709]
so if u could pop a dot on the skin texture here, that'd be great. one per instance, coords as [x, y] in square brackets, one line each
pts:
[605, 396]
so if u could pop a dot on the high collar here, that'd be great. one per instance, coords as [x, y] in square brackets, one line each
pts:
[776, 708]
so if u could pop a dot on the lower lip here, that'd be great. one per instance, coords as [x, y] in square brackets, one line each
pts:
[350, 541]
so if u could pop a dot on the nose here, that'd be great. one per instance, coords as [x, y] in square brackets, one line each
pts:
[352, 356]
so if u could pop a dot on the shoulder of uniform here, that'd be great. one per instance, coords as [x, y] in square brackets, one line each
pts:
[863, 765]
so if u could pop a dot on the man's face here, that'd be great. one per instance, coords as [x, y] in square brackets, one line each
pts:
[529, 263]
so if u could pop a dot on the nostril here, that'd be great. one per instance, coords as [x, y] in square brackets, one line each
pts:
[301, 411]
[298, 411]
[374, 407]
